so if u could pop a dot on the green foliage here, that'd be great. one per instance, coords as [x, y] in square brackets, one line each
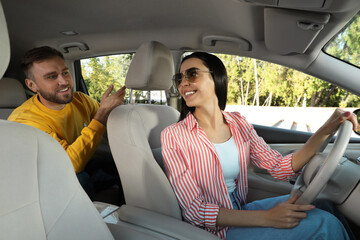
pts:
[101, 72]
[347, 45]
[280, 86]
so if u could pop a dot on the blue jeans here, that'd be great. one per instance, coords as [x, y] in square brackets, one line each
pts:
[100, 174]
[84, 180]
[318, 225]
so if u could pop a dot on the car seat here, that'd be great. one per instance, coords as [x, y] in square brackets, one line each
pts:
[134, 132]
[12, 95]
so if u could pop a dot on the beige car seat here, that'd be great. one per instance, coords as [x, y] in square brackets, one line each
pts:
[12, 95]
[134, 133]
[134, 136]
[40, 195]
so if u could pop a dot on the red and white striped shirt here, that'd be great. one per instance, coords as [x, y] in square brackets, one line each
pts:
[195, 173]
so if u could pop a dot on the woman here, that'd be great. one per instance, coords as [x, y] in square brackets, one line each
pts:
[206, 155]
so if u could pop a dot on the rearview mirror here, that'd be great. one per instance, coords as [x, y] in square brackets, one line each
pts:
[357, 113]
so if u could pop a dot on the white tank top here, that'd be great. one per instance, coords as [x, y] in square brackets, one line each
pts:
[229, 160]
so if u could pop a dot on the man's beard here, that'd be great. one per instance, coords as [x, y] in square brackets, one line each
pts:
[53, 97]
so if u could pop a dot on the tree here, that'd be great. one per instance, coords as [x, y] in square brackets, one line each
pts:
[279, 85]
[235, 87]
[347, 45]
[101, 72]
[241, 88]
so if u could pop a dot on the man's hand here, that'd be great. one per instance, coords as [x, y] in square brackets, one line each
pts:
[108, 103]
[287, 214]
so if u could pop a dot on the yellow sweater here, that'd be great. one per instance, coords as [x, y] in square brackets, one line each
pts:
[73, 126]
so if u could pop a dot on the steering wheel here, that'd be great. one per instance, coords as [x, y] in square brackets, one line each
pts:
[321, 167]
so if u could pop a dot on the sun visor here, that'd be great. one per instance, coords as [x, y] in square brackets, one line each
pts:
[290, 31]
[293, 4]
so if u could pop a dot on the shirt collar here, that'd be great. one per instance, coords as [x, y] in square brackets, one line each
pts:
[41, 106]
[228, 117]
[191, 123]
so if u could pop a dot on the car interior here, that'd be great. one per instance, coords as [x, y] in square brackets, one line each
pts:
[41, 197]
[12, 95]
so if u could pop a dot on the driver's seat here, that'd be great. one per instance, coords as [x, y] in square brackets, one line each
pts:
[134, 136]
[134, 133]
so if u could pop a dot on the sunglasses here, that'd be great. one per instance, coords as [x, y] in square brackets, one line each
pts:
[190, 74]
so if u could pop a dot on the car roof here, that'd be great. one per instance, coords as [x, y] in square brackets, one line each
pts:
[272, 30]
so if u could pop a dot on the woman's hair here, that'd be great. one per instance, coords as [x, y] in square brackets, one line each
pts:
[219, 74]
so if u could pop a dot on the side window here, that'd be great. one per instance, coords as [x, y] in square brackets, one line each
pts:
[101, 72]
[272, 95]
[345, 45]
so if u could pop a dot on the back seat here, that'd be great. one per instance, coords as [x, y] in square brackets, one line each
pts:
[12, 95]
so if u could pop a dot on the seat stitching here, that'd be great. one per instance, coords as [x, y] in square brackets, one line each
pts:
[135, 110]
[37, 175]
[63, 211]
[50, 227]
[19, 208]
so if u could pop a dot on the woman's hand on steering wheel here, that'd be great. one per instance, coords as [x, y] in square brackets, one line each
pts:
[336, 119]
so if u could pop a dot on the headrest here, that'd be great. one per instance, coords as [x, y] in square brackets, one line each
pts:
[4, 43]
[12, 93]
[152, 68]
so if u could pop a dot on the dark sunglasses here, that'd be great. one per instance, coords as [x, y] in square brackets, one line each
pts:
[190, 74]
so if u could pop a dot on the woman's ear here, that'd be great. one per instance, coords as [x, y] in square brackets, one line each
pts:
[31, 85]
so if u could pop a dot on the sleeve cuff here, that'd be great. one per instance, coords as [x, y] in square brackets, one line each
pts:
[97, 126]
[287, 166]
[210, 214]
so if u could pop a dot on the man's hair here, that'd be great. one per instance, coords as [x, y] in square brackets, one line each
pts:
[38, 54]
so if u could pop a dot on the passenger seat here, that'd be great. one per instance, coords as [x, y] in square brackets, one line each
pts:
[12, 95]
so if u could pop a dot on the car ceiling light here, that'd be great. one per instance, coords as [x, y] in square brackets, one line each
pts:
[69, 33]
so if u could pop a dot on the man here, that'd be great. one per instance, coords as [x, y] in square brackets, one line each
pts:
[75, 120]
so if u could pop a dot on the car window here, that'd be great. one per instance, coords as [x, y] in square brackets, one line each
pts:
[272, 95]
[346, 45]
[101, 72]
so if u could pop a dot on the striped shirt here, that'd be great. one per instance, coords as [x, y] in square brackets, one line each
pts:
[195, 174]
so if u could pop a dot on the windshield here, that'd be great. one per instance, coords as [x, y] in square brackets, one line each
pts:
[346, 45]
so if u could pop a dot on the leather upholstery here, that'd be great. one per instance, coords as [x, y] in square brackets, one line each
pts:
[134, 133]
[152, 68]
[40, 195]
[12, 95]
